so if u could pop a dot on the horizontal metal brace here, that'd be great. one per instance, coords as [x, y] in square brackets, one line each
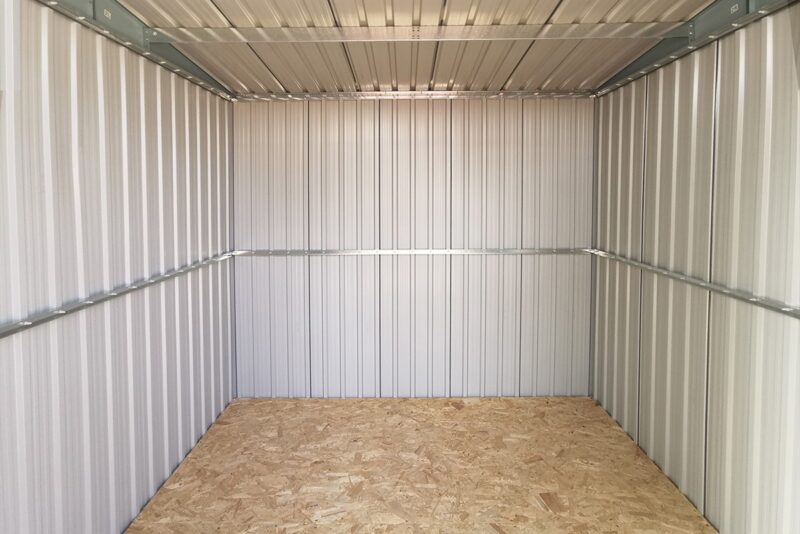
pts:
[361, 34]
[415, 252]
[738, 294]
[408, 95]
[98, 298]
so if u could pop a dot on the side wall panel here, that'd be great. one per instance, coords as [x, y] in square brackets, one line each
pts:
[752, 415]
[718, 378]
[677, 236]
[112, 170]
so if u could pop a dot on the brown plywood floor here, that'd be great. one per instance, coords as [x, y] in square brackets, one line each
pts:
[422, 465]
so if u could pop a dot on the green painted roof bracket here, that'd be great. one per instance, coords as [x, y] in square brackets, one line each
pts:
[110, 18]
[718, 19]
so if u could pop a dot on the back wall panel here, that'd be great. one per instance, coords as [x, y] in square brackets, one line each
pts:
[411, 175]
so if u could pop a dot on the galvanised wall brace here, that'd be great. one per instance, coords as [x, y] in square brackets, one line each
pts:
[110, 18]
[718, 19]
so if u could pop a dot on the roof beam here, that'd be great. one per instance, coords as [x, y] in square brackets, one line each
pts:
[627, 30]
[410, 95]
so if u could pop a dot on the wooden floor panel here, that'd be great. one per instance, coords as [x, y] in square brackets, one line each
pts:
[418, 465]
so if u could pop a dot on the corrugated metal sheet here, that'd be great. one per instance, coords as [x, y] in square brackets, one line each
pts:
[486, 211]
[557, 167]
[419, 175]
[672, 411]
[271, 199]
[343, 214]
[113, 170]
[677, 236]
[555, 325]
[476, 66]
[616, 349]
[753, 414]
[101, 406]
[756, 238]
[415, 185]
[752, 449]
[620, 174]
[678, 170]
[724, 390]
[620, 169]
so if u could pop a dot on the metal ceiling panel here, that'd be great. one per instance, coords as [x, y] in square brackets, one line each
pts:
[591, 63]
[235, 65]
[626, 10]
[176, 13]
[308, 67]
[276, 13]
[478, 65]
[391, 66]
[387, 13]
[475, 12]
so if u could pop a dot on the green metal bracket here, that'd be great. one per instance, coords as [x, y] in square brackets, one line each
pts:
[718, 19]
[76, 8]
[113, 19]
[119, 21]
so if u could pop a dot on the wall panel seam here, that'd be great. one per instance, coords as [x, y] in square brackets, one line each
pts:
[641, 255]
[712, 200]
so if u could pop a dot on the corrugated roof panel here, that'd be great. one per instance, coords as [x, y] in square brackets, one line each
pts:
[234, 65]
[542, 59]
[390, 66]
[317, 13]
[386, 13]
[581, 11]
[277, 13]
[387, 66]
[308, 67]
[477, 65]
[177, 13]
[593, 62]
[475, 12]
[448, 57]
[498, 59]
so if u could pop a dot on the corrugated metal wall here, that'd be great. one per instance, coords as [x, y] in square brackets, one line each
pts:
[411, 175]
[753, 410]
[620, 164]
[414, 210]
[721, 188]
[113, 170]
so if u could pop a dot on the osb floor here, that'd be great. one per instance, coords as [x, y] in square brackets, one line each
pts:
[490, 465]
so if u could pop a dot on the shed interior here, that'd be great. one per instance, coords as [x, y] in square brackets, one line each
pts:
[369, 265]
